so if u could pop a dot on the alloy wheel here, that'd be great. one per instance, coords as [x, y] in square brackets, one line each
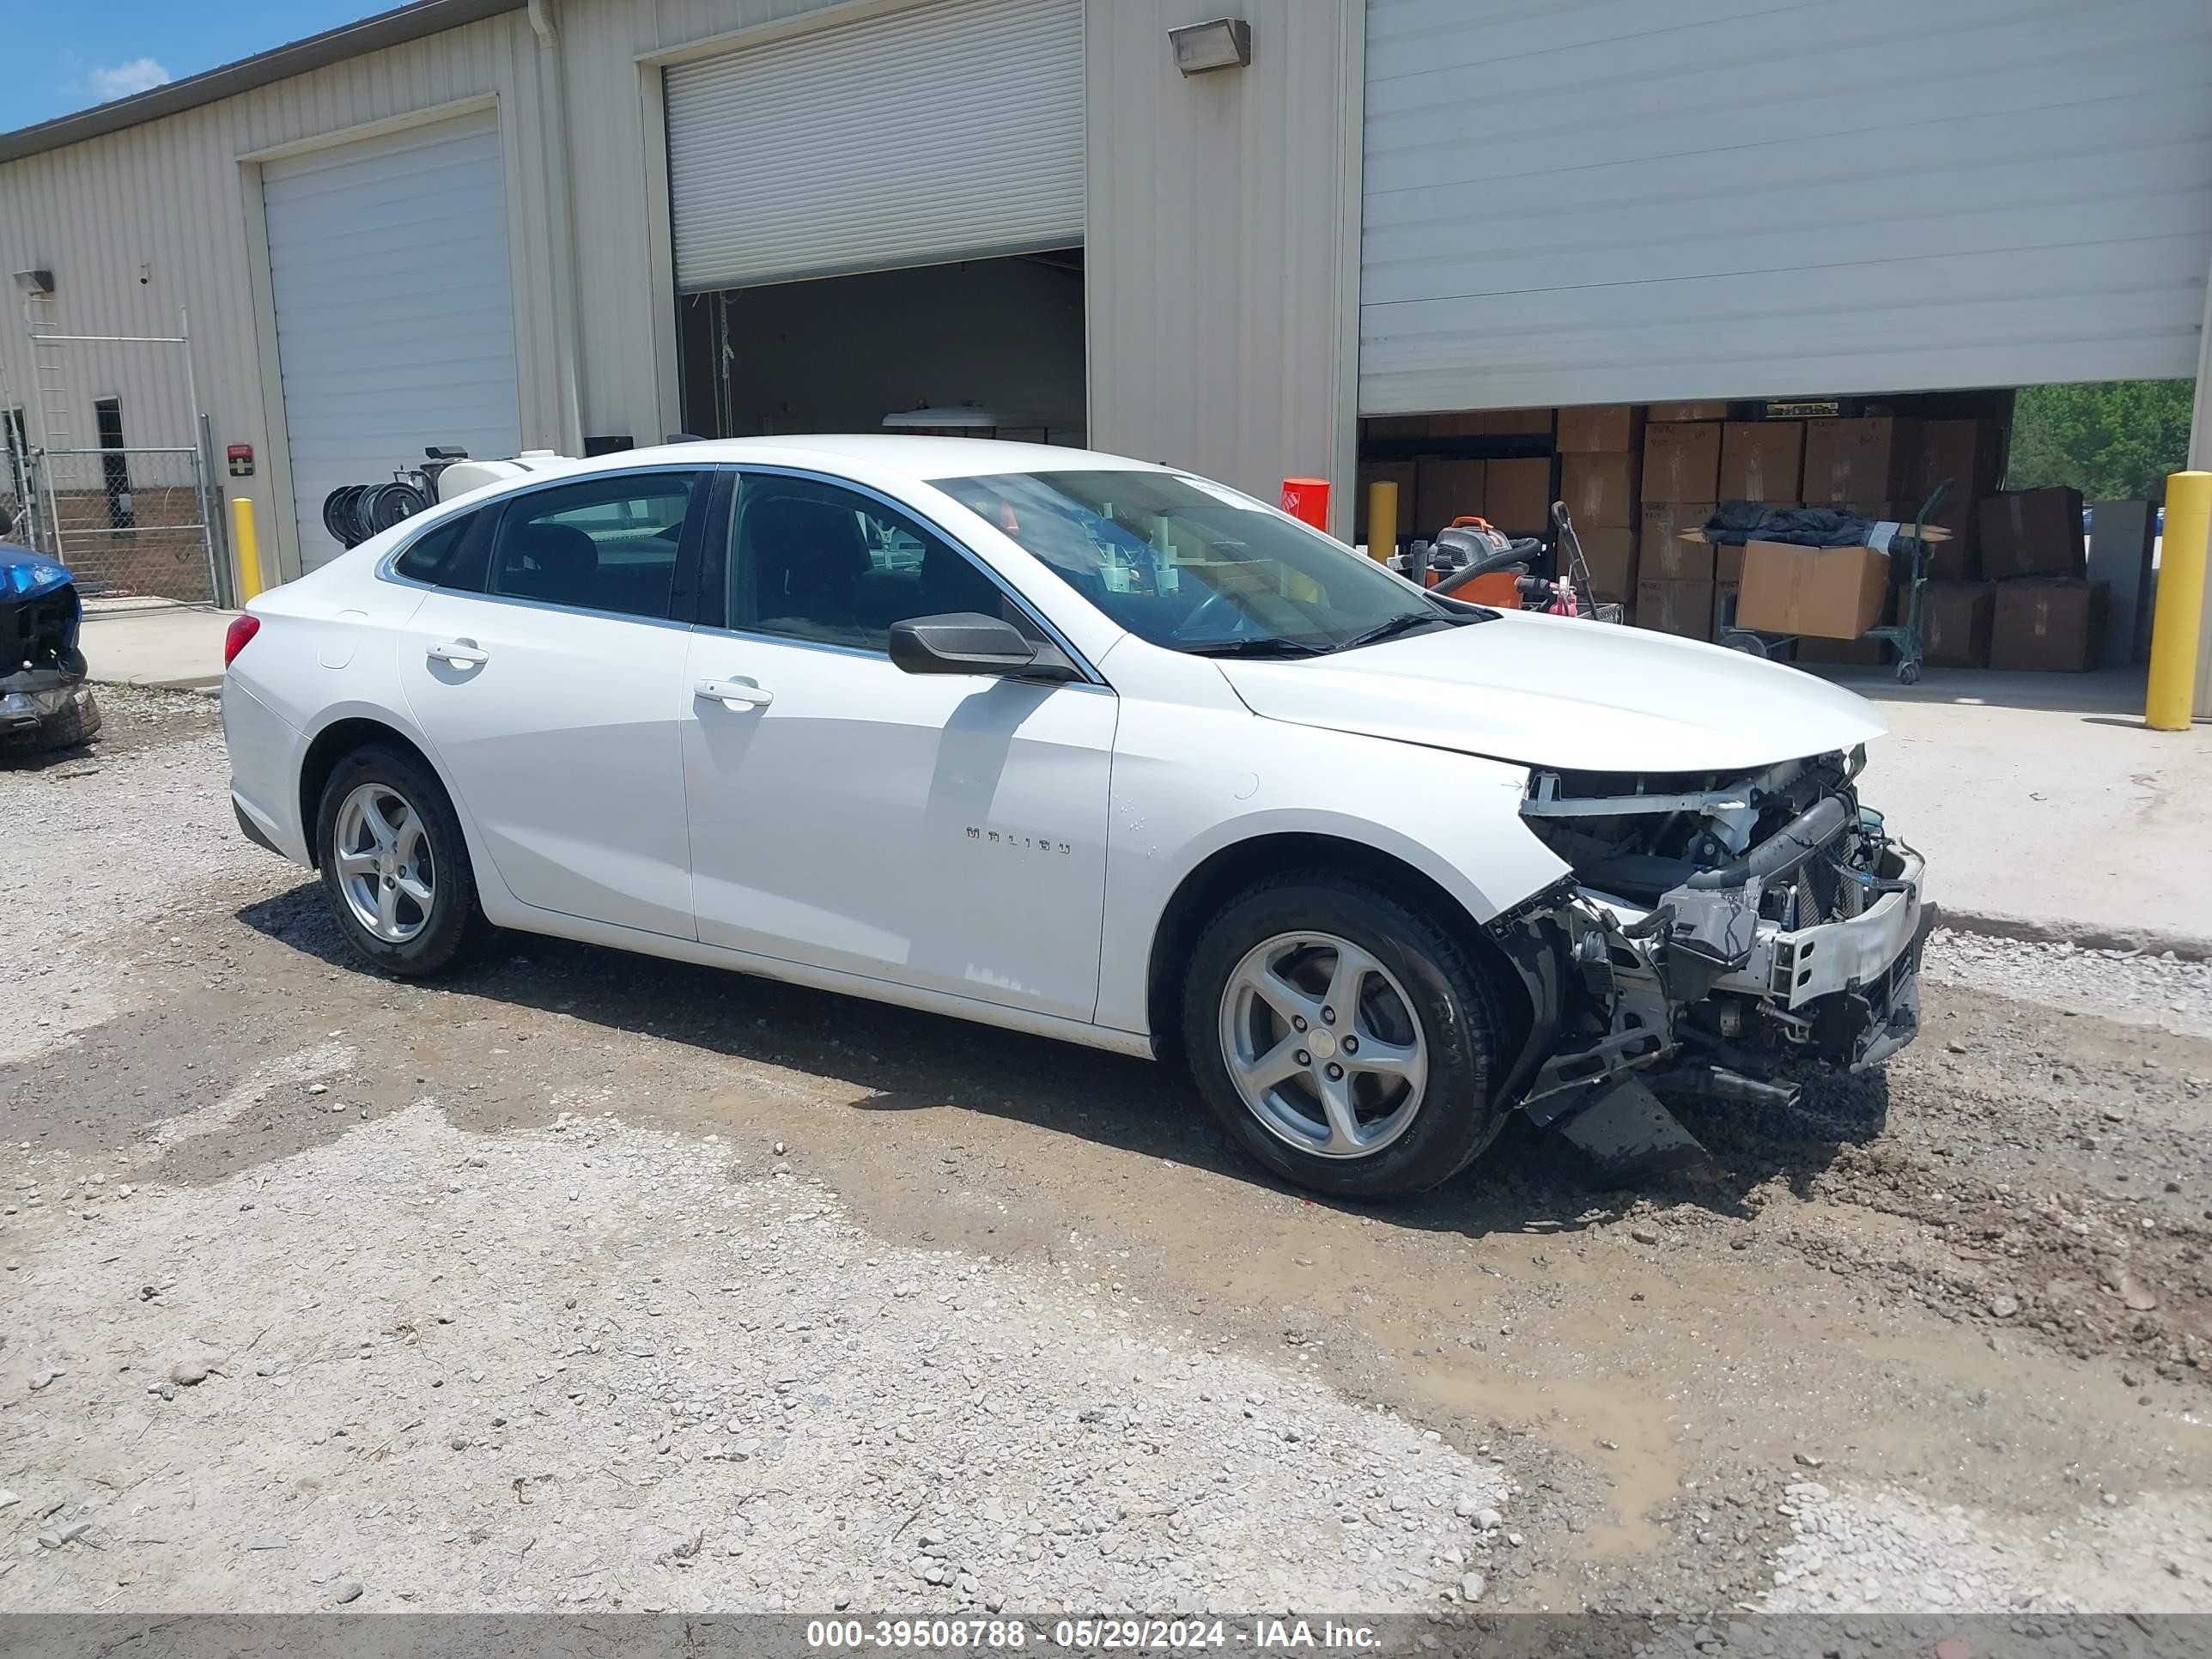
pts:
[1323, 1045]
[385, 866]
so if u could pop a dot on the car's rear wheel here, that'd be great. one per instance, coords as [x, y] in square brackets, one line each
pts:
[1343, 1038]
[394, 866]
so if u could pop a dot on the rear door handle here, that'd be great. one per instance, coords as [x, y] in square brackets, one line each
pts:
[733, 694]
[462, 653]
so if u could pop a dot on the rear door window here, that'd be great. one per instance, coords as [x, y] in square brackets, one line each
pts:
[438, 556]
[600, 544]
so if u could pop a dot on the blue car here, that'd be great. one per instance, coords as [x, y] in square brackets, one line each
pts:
[46, 700]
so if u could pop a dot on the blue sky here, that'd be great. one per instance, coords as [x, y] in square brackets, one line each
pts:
[69, 56]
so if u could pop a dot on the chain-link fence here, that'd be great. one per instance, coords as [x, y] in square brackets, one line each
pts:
[131, 521]
[112, 468]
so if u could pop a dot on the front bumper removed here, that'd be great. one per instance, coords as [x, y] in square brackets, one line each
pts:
[1701, 996]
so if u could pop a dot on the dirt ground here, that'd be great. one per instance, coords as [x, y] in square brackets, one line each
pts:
[586, 1280]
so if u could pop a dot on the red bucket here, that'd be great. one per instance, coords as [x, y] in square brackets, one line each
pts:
[1307, 500]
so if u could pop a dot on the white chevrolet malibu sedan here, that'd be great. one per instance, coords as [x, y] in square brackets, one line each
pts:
[1083, 746]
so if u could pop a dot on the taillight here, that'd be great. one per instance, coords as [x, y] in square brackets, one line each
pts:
[241, 629]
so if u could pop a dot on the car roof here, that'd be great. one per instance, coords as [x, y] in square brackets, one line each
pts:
[916, 457]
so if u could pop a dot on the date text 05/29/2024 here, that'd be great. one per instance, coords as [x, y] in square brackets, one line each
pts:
[1087, 1635]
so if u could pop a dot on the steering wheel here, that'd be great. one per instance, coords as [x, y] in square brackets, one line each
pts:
[1190, 628]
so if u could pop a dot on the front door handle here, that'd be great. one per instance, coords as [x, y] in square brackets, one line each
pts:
[462, 653]
[733, 694]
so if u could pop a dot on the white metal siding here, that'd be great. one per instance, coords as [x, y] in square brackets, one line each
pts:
[395, 321]
[1617, 202]
[947, 132]
[1220, 267]
[169, 200]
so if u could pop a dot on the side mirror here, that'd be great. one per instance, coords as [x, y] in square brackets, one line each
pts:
[968, 642]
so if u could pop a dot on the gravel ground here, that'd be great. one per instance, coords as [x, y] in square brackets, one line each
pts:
[2146, 989]
[597, 1366]
[588, 1281]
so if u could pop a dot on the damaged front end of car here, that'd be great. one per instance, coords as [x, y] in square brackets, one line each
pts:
[1718, 936]
[46, 700]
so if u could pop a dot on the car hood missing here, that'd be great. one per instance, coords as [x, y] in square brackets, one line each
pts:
[1557, 692]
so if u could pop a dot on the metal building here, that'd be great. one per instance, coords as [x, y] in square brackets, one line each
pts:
[577, 224]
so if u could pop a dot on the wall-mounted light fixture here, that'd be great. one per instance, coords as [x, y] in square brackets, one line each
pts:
[35, 283]
[1224, 43]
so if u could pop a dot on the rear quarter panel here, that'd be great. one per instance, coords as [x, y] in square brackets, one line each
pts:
[326, 652]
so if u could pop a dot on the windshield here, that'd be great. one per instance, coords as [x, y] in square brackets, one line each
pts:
[1186, 563]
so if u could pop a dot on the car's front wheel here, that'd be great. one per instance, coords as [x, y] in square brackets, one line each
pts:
[1344, 1039]
[394, 866]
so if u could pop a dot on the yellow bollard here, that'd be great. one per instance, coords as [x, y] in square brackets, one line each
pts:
[2180, 602]
[248, 550]
[1382, 518]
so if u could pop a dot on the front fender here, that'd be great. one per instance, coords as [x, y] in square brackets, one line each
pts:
[1453, 818]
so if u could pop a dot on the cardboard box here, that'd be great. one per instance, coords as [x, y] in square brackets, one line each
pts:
[2056, 624]
[1715, 410]
[1598, 428]
[1520, 496]
[1599, 489]
[1761, 460]
[1662, 554]
[1664, 521]
[2031, 532]
[1728, 562]
[1829, 592]
[1970, 454]
[1954, 623]
[1442, 491]
[1611, 556]
[1855, 459]
[1401, 473]
[1959, 559]
[1681, 460]
[1681, 608]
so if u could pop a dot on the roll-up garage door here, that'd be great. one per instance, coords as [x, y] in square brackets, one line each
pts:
[1616, 202]
[395, 311]
[953, 131]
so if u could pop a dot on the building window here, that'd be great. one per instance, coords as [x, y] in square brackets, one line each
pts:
[15, 471]
[114, 470]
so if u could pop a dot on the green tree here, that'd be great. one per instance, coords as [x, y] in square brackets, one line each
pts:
[2111, 440]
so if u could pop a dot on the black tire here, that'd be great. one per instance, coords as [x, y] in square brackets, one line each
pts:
[1458, 1011]
[454, 928]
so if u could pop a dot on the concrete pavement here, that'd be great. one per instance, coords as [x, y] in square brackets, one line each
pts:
[176, 647]
[2044, 805]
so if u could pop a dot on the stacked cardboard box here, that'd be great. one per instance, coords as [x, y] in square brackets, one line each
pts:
[1435, 488]
[1954, 623]
[2045, 615]
[1599, 489]
[2048, 623]
[2031, 532]
[1519, 496]
[1599, 460]
[1680, 481]
[1446, 489]
[1762, 461]
[1969, 455]
[1855, 459]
